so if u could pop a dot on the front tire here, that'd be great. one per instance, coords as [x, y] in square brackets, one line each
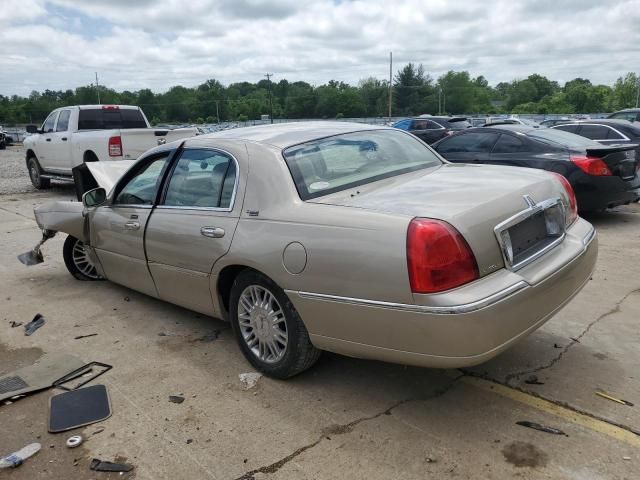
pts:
[268, 328]
[35, 174]
[78, 261]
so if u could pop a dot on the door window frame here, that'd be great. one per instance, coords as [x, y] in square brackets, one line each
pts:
[169, 174]
[55, 116]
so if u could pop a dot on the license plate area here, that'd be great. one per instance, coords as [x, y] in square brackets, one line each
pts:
[531, 233]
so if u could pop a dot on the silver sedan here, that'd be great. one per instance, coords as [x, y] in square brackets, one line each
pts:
[355, 239]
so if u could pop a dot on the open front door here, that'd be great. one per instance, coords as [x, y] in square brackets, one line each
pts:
[118, 229]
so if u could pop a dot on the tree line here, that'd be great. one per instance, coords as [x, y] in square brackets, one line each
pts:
[414, 92]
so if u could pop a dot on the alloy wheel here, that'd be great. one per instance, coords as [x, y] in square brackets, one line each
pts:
[262, 324]
[82, 261]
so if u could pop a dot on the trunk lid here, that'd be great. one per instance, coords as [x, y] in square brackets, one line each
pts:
[472, 198]
[621, 159]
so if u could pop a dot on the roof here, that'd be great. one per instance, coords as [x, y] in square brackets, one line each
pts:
[514, 127]
[604, 121]
[283, 135]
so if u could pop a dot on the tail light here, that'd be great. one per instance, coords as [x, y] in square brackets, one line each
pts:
[438, 257]
[110, 107]
[115, 146]
[591, 166]
[572, 214]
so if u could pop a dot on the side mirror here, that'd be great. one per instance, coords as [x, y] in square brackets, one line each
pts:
[94, 198]
[32, 129]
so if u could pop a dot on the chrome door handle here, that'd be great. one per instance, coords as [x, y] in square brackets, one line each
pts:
[213, 232]
[132, 225]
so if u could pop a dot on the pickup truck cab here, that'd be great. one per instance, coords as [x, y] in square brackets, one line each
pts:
[71, 136]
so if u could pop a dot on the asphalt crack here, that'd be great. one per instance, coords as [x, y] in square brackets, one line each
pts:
[566, 348]
[342, 429]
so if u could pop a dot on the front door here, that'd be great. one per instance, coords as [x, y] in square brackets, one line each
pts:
[193, 226]
[44, 142]
[118, 229]
[60, 146]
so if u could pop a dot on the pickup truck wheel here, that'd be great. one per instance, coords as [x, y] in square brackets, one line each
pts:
[268, 328]
[78, 261]
[35, 174]
[3, 144]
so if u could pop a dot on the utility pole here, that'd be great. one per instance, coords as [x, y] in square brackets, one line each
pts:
[217, 112]
[390, 80]
[269, 75]
[98, 88]
[638, 94]
[439, 100]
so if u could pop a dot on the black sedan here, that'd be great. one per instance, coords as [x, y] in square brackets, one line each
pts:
[602, 176]
[431, 129]
[605, 131]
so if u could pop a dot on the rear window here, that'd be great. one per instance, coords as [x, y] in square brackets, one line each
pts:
[566, 139]
[459, 124]
[106, 119]
[344, 161]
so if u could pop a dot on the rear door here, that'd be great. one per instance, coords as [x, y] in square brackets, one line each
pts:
[427, 130]
[468, 147]
[193, 226]
[514, 150]
[118, 229]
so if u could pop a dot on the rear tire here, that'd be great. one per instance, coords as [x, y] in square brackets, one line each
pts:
[267, 326]
[35, 174]
[77, 260]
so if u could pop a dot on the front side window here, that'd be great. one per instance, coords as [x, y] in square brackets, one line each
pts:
[403, 124]
[202, 178]
[459, 124]
[48, 124]
[631, 116]
[333, 164]
[469, 142]
[63, 121]
[142, 187]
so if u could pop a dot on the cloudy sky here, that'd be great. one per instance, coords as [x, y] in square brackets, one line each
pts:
[137, 44]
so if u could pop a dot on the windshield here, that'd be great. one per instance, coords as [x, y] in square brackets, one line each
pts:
[343, 161]
[566, 139]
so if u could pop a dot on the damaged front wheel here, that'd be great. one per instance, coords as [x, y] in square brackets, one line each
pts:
[77, 260]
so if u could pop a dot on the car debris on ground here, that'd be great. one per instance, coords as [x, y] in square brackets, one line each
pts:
[176, 399]
[103, 466]
[533, 380]
[34, 324]
[541, 428]
[602, 394]
[17, 458]
[78, 408]
[249, 380]
[74, 441]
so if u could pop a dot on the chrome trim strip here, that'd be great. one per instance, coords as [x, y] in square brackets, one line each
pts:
[589, 238]
[437, 310]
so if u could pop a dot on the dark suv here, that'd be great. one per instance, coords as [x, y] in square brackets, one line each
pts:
[631, 114]
[431, 129]
[605, 131]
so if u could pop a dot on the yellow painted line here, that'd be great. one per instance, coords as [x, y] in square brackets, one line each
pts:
[546, 406]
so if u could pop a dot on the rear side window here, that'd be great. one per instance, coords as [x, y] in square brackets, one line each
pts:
[470, 142]
[631, 116]
[403, 124]
[567, 128]
[110, 118]
[557, 136]
[594, 132]
[459, 124]
[510, 144]
[614, 135]
[63, 121]
[420, 125]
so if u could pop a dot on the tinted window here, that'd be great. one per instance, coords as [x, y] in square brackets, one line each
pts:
[202, 178]
[613, 135]
[631, 116]
[63, 121]
[110, 118]
[420, 125]
[340, 162]
[594, 132]
[556, 136]
[141, 189]
[48, 124]
[469, 142]
[510, 144]
[568, 128]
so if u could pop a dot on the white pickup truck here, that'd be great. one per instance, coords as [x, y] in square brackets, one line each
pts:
[71, 136]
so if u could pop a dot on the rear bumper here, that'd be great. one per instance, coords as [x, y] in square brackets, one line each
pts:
[595, 193]
[463, 327]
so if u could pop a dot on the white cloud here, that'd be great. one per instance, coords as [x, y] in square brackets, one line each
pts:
[157, 44]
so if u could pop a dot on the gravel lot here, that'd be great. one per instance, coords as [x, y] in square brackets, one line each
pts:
[14, 177]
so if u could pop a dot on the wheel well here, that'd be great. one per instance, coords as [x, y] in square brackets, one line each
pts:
[30, 153]
[226, 277]
[89, 156]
